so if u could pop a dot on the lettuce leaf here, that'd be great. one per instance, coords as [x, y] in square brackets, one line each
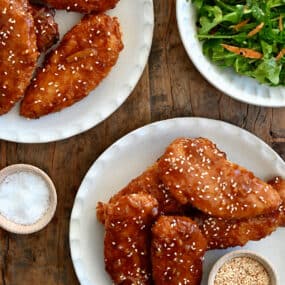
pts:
[217, 20]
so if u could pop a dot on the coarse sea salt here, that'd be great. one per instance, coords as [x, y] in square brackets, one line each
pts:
[24, 197]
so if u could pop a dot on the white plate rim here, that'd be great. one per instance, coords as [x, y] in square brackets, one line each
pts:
[74, 242]
[211, 73]
[137, 69]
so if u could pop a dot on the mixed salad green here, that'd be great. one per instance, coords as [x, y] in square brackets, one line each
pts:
[248, 35]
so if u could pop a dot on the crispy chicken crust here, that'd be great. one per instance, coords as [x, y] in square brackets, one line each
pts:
[83, 6]
[18, 51]
[127, 244]
[278, 183]
[148, 182]
[221, 233]
[82, 60]
[46, 27]
[232, 207]
[101, 212]
[198, 173]
[177, 249]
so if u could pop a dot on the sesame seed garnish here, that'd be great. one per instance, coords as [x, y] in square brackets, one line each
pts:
[195, 168]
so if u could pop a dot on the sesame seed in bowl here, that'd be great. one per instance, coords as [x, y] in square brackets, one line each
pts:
[242, 267]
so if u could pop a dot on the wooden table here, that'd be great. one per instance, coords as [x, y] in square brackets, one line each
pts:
[170, 87]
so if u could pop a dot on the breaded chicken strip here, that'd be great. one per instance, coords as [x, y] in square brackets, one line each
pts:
[100, 212]
[177, 250]
[278, 183]
[148, 182]
[18, 51]
[127, 238]
[198, 173]
[83, 6]
[80, 62]
[46, 27]
[221, 233]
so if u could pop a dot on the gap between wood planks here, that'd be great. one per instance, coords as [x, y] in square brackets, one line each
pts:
[278, 140]
[5, 261]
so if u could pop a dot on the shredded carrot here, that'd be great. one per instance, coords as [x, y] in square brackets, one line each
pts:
[256, 30]
[280, 54]
[240, 25]
[245, 52]
[281, 23]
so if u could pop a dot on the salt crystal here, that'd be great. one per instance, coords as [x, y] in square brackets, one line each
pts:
[24, 197]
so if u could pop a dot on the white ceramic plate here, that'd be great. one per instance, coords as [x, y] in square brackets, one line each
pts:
[137, 20]
[227, 80]
[129, 156]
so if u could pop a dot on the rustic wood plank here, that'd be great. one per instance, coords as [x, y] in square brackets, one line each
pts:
[136, 111]
[161, 100]
[278, 124]
[179, 67]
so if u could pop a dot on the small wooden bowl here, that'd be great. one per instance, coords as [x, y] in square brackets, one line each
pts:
[16, 228]
[243, 253]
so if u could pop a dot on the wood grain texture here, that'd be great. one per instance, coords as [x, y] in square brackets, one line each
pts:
[170, 87]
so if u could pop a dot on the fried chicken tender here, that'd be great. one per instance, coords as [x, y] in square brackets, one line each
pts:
[177, 250]
[221, 233]
[198, 173]
[127, 244]
[278, 183]
[46, 27]
[83, 6]
[101, 212]
[148, 182]
[18, 51]
[80, 62]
